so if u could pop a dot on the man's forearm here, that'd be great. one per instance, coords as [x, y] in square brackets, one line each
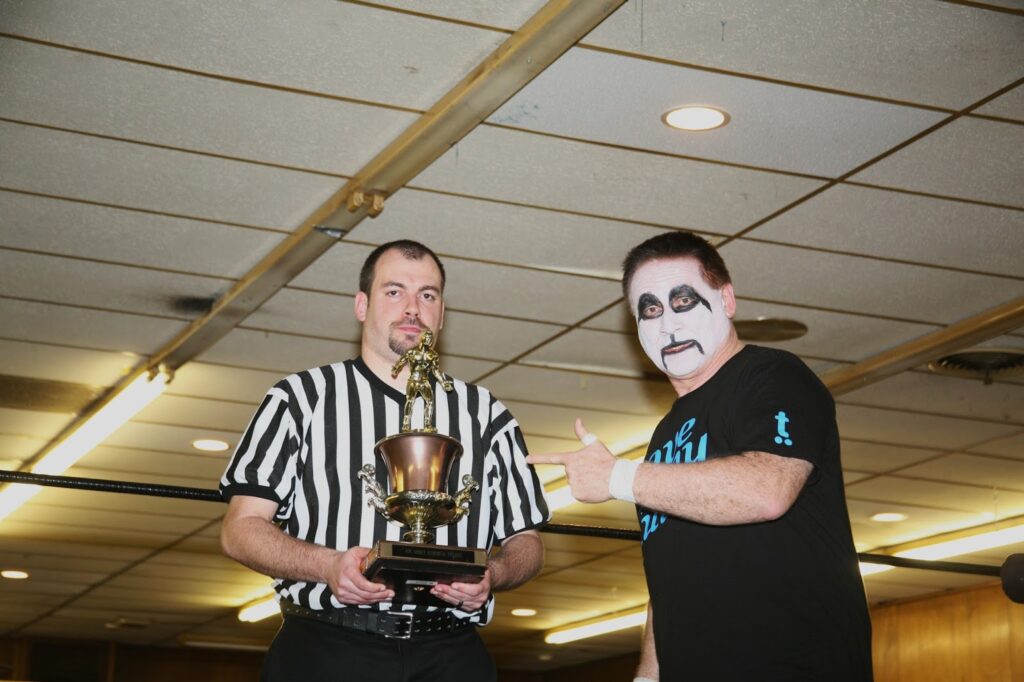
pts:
[747, 488]
[521, 557]
[265, 548]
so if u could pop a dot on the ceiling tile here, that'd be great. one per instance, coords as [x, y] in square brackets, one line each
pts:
[981, 501]
[521, 167]
[331, 316]
[615, 99]
[936, 163]
[101, 285]
[913, 228]
[556, 422]
[941, 54]
[481, 287]
[954, 396]
[897, 290]
[275, 352]
[1012, 446]
[203, 380]
[1010, 105]
[509, 14]
[516, 235]
[907, 428]
[111, 97]
[306, 46]
[98, 329]
[589, 350]
[197, 413]
[135, 176]
[72, 228]
[880, 457]
[29, 423]
[990, 472]
[166, 438]
[91, 367]
[574, 389]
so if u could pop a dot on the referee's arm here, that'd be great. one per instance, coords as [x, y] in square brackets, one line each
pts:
[249, 536]
[520, 559]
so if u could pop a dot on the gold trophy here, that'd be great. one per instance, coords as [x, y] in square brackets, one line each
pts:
[418, 463]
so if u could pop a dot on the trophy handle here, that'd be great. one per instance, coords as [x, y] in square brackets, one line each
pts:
[375, 494]
[463, 497]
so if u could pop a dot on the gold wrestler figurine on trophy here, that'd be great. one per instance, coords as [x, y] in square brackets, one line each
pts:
[423, 363]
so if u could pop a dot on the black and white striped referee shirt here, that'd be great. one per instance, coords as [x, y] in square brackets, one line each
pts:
[317, 428]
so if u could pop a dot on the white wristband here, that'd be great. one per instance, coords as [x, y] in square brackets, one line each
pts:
[620, 485]
[643, 679]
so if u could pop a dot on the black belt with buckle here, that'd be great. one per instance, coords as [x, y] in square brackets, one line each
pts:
[391, 624]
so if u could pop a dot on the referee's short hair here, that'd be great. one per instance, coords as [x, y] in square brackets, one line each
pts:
[412, 250]
[677, 245]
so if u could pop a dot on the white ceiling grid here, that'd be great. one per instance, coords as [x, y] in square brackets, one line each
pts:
[153, 152]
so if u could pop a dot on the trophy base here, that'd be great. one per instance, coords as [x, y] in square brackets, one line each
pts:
[411, 569]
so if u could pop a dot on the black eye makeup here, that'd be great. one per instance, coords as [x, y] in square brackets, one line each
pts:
[648, 307]
[684, 297]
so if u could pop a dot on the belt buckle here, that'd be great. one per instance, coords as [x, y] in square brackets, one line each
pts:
[401, 614]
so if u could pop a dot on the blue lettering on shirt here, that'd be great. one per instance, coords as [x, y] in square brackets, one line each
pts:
[678, 450]
[780, 424]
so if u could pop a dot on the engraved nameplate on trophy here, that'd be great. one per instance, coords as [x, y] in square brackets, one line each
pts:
[419, 462]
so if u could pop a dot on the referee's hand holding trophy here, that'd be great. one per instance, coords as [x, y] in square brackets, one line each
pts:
[419, 462]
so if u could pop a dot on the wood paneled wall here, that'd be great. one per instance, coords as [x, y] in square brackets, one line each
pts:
[974, 635]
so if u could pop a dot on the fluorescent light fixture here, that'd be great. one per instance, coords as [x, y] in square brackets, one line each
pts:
[524, 613]
[888, 517]
[12, 574]
[227, 643]
[695, 117]
[871, 569]
[128, 402]
[210, 445]
[259, 610]
[966, 545]
[598, 626]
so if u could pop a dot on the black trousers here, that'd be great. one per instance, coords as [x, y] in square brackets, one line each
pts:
[313, 651]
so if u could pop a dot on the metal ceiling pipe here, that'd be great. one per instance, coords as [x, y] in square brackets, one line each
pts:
[965, 333]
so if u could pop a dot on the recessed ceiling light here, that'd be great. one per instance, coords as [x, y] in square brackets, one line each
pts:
[524, 613]
[210, 445]
[693, 117]
[888, 517]
[14, 575]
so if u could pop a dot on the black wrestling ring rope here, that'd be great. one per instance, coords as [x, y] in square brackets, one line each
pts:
[180, 492]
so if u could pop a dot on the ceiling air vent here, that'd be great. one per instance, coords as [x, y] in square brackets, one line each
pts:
[770, 329]
[987, 364]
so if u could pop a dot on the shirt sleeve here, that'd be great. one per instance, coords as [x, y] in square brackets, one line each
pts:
[519, 495]
[264, 462]
[784, 409]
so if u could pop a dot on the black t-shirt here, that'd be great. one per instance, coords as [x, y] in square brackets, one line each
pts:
[779, 600]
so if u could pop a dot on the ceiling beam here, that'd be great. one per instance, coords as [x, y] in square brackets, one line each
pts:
[963, 334]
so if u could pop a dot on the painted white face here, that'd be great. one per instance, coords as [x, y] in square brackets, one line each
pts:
[681, 321]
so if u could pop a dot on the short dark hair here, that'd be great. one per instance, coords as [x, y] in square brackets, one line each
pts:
[677, 245]
[407, 247]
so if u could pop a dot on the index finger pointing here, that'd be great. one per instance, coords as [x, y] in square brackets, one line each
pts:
[547, 458]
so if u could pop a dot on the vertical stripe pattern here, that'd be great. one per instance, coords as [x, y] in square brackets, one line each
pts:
[313, 432]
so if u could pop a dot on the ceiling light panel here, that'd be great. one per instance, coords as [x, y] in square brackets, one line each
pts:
[860, 220]
[859, 47]
[526, 168]
[423, 61]
[620, 100]
[935, 164]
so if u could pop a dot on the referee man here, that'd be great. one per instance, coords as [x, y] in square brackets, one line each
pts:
[297, 512]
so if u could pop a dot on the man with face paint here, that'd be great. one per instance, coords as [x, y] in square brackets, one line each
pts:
[747, 547]
[297, 511]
